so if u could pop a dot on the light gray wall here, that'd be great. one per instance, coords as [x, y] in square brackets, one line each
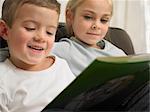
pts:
[63, 5]
[1, 2]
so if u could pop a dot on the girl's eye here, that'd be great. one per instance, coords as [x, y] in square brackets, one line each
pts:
[88, 17]
[104, 21]
[29, 29]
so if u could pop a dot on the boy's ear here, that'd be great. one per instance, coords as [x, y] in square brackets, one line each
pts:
[3, 30]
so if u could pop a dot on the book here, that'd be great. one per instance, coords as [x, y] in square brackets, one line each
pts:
[106, 82]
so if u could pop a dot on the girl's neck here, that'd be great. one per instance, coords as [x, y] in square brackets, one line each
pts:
[98, 45]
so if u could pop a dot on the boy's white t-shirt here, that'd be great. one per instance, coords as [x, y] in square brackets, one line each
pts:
[31, 91]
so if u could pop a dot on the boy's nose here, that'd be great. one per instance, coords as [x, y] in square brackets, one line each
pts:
[39, 38]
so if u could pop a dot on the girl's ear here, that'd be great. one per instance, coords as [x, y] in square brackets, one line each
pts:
[69, 16]
[3, 30]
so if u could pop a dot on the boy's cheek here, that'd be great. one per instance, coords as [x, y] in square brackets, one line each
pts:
[50, 45]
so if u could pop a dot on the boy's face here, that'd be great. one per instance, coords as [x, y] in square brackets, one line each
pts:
[91, 20]
[32, 34]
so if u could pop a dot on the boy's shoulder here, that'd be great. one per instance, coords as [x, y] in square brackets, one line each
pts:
[61, 66]
[4, 53]
[4, 66]
[59, 60]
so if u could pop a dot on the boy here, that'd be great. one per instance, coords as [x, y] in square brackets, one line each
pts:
[29, 78]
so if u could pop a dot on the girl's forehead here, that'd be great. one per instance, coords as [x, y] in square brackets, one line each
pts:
[97, 6]
[96, 3]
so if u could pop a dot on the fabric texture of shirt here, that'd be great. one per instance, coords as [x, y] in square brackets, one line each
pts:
[31, 91]
[4, 53]
[79, 55]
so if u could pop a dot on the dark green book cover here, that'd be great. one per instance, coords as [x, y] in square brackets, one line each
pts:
[104, 78]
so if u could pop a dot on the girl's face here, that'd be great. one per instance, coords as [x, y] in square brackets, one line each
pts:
[32, 35]
[91, 20]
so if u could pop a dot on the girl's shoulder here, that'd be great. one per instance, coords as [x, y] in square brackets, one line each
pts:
[63, 47]
[109, 47]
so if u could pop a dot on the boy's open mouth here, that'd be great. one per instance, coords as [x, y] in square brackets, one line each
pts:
[36, 47]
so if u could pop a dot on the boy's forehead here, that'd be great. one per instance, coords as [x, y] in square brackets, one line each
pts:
[35, 9]
[13, 4]
[37, 13]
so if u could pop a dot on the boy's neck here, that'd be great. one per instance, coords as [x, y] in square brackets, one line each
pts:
[45, 64]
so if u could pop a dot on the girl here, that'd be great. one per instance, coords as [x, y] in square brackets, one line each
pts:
[87, 23]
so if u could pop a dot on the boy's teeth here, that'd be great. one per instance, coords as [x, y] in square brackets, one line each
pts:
[36, 48]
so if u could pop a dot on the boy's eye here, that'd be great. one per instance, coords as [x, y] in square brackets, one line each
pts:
[29, 29]
[50, 33]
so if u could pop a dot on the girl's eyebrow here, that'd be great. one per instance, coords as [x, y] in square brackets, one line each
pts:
[92, 12]
[89, 11]
[107, 15]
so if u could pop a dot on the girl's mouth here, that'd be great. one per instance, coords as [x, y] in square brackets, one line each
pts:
[94, 34]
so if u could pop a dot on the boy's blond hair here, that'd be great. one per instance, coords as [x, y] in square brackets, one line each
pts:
[72, 5]
[10, 8]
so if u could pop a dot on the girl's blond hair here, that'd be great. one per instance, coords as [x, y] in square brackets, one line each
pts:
[72, 5]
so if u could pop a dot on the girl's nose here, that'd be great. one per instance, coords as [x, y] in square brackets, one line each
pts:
[96, 25]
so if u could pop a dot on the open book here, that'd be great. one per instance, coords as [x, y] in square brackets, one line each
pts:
[105, 83]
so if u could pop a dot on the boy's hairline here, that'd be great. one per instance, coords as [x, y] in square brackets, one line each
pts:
[9, 20]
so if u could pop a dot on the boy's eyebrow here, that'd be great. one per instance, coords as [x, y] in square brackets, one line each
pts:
[32, 21]
[52, 26]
